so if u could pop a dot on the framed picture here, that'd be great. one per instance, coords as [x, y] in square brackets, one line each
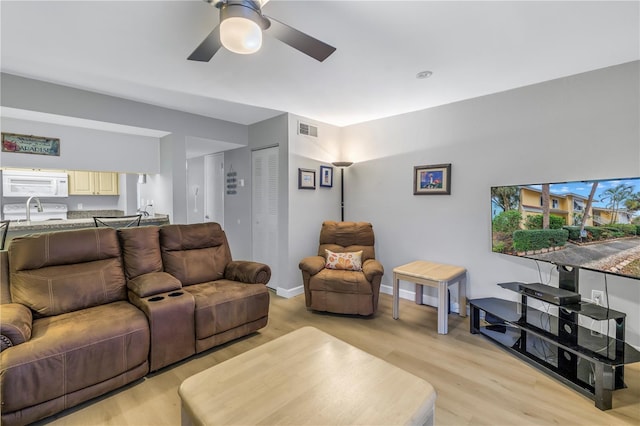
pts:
[432, 180]
[306, 179]
[29, 144]
[326, 176]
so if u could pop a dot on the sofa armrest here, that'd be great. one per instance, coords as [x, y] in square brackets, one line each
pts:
[245, 271]
[15, 325]
[372, 268]
[153, 283]
[312, 264]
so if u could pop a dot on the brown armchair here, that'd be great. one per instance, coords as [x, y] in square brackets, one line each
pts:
[343, 291]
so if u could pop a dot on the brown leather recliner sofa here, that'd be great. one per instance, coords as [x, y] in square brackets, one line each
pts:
[87, 311]
[343, 290]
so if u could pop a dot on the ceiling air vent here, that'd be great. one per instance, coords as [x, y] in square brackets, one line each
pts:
[307, 129]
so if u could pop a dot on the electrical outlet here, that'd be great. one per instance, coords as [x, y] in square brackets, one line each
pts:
[597, 296]
[595, 332]
[79, 206]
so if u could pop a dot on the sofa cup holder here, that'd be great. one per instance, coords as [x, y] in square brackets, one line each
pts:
[156, 298]
[176, 294]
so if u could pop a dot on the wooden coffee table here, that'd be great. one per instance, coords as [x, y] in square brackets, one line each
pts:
[432, 274]
[306, 377]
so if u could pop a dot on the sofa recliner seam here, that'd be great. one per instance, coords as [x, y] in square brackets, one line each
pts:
[80, 347]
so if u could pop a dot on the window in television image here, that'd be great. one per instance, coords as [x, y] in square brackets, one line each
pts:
[591, 224]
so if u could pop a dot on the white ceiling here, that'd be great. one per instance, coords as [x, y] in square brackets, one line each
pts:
[138, 49]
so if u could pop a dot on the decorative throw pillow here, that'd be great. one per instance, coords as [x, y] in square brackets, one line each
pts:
[350, 261]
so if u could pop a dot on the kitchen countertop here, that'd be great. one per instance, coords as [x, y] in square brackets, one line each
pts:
[52, 225]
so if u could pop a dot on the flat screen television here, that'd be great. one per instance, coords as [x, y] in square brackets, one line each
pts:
[591, 224]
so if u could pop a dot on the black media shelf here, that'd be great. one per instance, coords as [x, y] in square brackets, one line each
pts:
[591, 310]
[588, 362]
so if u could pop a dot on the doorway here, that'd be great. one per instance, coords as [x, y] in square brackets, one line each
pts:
[214, 188]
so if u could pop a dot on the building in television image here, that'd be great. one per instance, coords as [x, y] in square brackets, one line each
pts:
[591, 224]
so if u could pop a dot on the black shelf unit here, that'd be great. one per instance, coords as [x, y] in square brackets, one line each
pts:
[554, 342]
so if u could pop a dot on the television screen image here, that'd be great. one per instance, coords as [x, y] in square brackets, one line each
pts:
[591, 224]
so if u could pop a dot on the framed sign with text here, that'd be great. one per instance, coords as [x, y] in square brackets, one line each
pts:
[29, 144]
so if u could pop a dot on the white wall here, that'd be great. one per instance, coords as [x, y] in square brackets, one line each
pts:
[580, 127]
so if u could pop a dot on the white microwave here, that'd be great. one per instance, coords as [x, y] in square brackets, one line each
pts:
[18, 183]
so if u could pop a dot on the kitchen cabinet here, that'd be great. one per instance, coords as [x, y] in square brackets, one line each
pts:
[93, 183]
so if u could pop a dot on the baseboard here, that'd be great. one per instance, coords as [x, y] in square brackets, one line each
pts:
[411, 295]
[288, 293]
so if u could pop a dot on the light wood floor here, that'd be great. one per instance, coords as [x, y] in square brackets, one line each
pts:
[477, 382]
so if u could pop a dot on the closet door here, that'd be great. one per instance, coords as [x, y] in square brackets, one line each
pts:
[264, 209]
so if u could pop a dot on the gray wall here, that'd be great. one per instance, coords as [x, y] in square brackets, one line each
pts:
[307, 209]
[88, 149]
[168, 188]
[237, 207]
[580, 127]
[301, 212]
[35, 95]
[127, 201]
[84, 149]
[268, 133]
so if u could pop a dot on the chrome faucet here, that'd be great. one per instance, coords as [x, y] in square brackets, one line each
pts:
[29, 210]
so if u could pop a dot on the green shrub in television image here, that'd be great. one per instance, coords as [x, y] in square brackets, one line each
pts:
[592, 224]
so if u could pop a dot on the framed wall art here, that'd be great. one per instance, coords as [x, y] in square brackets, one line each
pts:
[432, 180]
[28, 144]
[306, 179]
[326, 176]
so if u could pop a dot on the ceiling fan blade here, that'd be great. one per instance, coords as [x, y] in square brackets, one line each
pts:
[209, 46]
[300, 41]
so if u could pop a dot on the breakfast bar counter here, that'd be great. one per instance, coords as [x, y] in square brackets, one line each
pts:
[21, 227]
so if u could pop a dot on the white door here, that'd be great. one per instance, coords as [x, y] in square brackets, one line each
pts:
[264, 211]
[214, 188]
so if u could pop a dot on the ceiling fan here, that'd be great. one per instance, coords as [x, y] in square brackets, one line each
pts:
[240, 31]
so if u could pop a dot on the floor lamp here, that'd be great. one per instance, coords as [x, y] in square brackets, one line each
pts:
[343, 165]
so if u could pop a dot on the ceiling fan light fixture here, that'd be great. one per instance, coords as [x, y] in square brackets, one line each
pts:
[240, 31]
[240, 35]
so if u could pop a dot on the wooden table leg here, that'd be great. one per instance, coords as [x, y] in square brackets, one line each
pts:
[418, 296]
[462, 296]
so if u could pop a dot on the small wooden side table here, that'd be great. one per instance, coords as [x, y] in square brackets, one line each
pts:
[432, 274]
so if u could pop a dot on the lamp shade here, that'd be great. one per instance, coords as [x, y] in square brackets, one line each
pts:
[342, 163]
[240, 35]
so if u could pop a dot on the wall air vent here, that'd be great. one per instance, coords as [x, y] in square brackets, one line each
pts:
[307, 129]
